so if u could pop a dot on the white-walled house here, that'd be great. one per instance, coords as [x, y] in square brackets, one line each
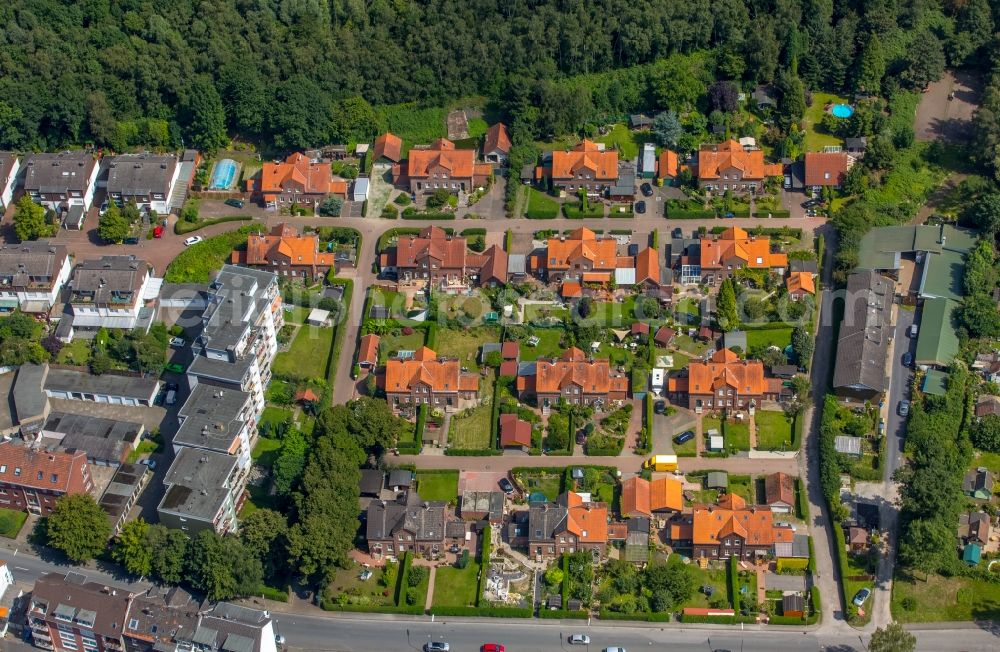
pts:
[145, 179]
[61, 180]
[10, 165]
[32, 274]
[110, 292]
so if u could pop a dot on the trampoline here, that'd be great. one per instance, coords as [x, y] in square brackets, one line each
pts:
[223, 175]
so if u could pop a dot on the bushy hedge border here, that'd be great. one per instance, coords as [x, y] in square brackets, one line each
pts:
[183, 227]
[271, 593]
[562, 614]
[472, 452]
[401, 581]
[338, 336]
[415, 610]
[655, 617]
[484, 612]
[718, 620]
[733, 581]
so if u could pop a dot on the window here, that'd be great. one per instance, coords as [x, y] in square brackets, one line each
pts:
[17, 471]
[3, 468]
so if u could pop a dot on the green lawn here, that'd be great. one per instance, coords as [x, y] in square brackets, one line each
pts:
[266, 451]
[465, 345]
[627, 142]
[11, 522]
[742, 486]
[945, 598]
[735, 434]
[308, 354]
[688, 308]
[473, 430]
[144, 449]
[989, 460]
[540, 205]
[455, 587]
[779, 337]
[536, 312]
[390, 344]
[548, 345]
[76, 352]
[297, 315]
[368, 592]
[438, 486]
[612, 314]
[816, 141]
[704, 577]
[704, 496]
[546, 483]
[273, 417]
[687, 449]
[774, 430]
[689, 345]
[680, 360]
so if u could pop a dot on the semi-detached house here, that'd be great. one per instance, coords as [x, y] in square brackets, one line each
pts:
[286, 252]
[731, 529]
[574, 378]
[111, 292]
[735, 249]
[426, 379]
[586, 167]
[730, 167]
[296, 180]
[144, 179]
[442, 166]
[61, 180]
[572, 523]
[31, 275]
[724, 382]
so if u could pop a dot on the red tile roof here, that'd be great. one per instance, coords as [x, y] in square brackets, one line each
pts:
[581, 244]
[389, 146]
[514, 431]
[639, 327]
[669, 165]
[737, 243]
[725, 370]
[779, 488]
[54, 471]
[425, 368]
[585, 159]
[494, 266]
[497, 139]
[717, 160]
[588, 521]
[800, 283]
[664, 336]
[442, 155]
[368, 349]
[510, 350]
[570, 289]
[508, 368]
[284, 244]
[647, 266]
[825, 168]
[712, 524]
[305, 395]
[573, 368]
[643, 497]
[432, 242]
[297, 173]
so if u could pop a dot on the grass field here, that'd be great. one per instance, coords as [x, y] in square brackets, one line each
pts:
[308, 354]
[297, 315]
[473, 430]
[816, 141]
[689, 310]
[945, 598]
[537, 312]
[774, 430]
[11, 522]
[465, 345]
[612, 314]
[415, 125]
[779, 337]
[989, 460]
[145, 448]
[362, 592]
[390, 344]
[540, 206]
[438, 486]
[456, 587]
[266, 451]
[736, 435]
[76, 352]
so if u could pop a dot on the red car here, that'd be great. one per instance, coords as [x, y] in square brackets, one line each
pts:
[491, 647]
[157, 231]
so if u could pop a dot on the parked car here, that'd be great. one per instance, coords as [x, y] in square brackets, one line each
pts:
[581, 437]
[907, 359]
[150, 463]
[132, 240]
[491, 647]
[861, 597]
[904, 408]
[914, 329]
[578, 639]
[436, 646]
[193, 240]
[173, 386]
[640, 207]
[809, 203]
[684, 437]
[677, 233]
[171, 396]
[157, 231]
[506, 486]
[729, 215]
[614, 649]
[235, 203]
[647, 190]
[179, 342]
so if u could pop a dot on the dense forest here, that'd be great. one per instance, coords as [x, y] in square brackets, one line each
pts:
[293, 73]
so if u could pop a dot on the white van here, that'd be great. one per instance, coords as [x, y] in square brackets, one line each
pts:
[171, 397]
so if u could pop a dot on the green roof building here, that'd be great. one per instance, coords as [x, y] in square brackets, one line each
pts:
[972, 554]
[937, 341]
[935, 383]
[882, 248]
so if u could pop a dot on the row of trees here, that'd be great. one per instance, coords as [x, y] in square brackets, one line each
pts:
[159, 74]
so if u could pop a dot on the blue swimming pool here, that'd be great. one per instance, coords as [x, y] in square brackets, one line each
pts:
[841, 111]
[223, 175]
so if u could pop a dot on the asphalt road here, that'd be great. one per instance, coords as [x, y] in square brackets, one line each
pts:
[27, 568]
[386, 635]
[899, 389]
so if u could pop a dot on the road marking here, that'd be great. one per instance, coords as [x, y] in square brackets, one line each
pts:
[21, 568]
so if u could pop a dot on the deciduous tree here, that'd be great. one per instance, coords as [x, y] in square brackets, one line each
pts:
[78, 527]
[29, 220]
[892, 638]
[113, 227]
[131, 548]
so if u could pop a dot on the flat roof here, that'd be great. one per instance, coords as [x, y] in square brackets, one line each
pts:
[211, 418]
[99, 438]
[109, 384]
[195, 483]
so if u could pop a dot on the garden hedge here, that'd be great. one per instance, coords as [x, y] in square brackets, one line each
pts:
[338, 336]
[563, 614]
[485, 548]
[401, 580]
[472, 231]
[472, 452]
[657, 617]
[484, 612]
[412, 214]
[733, 581]
[183, 227]
[328, 605]
[271, 593]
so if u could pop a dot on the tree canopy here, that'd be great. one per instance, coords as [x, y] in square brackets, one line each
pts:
[78, 527]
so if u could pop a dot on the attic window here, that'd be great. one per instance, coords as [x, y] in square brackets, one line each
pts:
[133, 623]
[40, 475]
[55, 477]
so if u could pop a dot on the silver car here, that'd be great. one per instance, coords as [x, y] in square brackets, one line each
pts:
[579, 639]
[436, 646]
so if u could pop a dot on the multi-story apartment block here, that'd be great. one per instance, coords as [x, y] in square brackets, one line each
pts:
[32, 480]
[218, 419]
[238, 341]
[204, 490]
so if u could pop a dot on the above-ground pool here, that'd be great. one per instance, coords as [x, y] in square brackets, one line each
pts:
[841, 111]
[223, 175]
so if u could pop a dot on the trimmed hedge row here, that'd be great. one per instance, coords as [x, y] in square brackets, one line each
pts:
[415, 610]
[182, 227]
[271, 593]
[733, 582]
[472, 452]
[718, 620]
[404, 571]
[472, 231]
[562, 614]
[484, 612]
[485, 546]
[655, 617]
[338, 336]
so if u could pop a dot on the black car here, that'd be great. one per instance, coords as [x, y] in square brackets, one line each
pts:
[684, 437]
[809, 203]
[235, 203]
[640, 207]
[172, 387]
[506, 486]
[660, 407]
[677, 233]
[647, 190]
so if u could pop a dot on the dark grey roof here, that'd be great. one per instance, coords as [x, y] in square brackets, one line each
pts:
[110, 384]
[854, 144]
[800, 546]
[31, 264]
[238, 296]
[784, 370]
[625, 183]
[455, 529]
[379, 312]
[798, 265]
[717, 480]
[423, 519]
[212, 418]
[141, 174]
[400, 478]
[123, 485]
[7, 160]
[372, 482]
[102, 439]
[863, 342]
[29, 399]
[797, 172]
[233, 628]
[58, 172]
[517, 264]
[483, 502]
[115, 280]
[978, 479]
[544, 520]
[195, 483]
[735, 338]
[762, 96]
[638, 524]
[72, 595]
[792, 602]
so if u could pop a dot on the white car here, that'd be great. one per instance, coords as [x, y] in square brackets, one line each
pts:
[614, 649]
[579, 639]
[193, 240]
[179, 342]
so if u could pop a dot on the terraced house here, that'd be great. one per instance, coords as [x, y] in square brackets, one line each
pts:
[61, 180]
[442, 166]
[443, 260]
[426, 379]
[31, 275]
[572, 377]
[724, 382]
[573, 522]
[111, 292]
[736, 249]
[580, 257]
[145, 179]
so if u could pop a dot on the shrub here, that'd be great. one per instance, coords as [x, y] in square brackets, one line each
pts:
[417, 575]
[463, 560]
